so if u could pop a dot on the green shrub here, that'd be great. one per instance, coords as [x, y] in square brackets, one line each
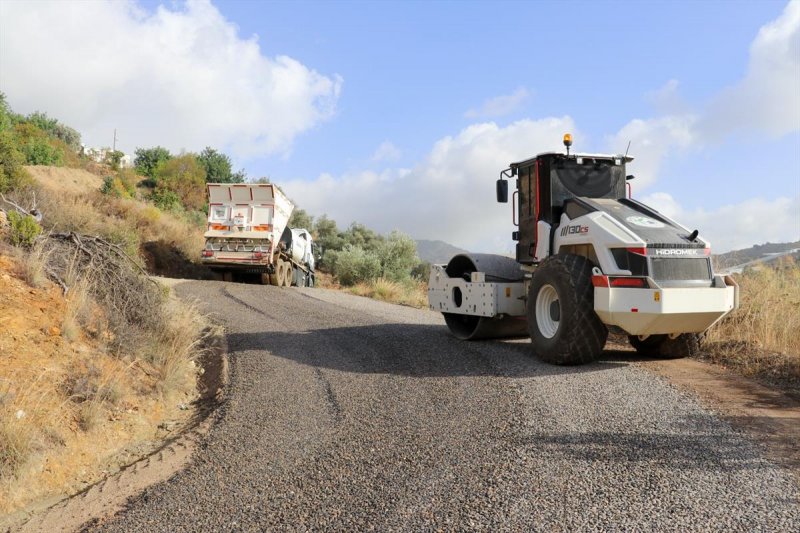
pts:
[354, 265]
[166, 200]
[186, 177]
[113, 186]
[38, 151]
[56, 130]
[24, 229]
[36, 147]
[12, 175]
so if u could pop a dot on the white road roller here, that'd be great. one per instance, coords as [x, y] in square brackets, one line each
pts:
[588, 258]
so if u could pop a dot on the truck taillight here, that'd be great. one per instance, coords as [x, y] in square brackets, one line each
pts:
[639, 251]
[258, 255]
[207, 253]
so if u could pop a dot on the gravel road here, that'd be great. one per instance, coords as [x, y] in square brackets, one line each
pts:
[353, 415]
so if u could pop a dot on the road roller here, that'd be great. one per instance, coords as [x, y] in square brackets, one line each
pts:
[589, 259]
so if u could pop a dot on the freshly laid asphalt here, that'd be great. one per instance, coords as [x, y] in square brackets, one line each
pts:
[346, 414]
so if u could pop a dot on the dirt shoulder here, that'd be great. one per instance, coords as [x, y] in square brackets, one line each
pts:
[770, 416]
[102, 500]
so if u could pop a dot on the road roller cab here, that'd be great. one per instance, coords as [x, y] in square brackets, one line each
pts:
[588, 257]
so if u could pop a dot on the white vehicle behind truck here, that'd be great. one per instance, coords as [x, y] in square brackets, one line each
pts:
[247, 233]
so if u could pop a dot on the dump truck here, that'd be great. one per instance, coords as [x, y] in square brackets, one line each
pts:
[589, 258]
[247, 233]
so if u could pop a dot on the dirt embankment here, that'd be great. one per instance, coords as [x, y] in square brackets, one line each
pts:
[71, 411]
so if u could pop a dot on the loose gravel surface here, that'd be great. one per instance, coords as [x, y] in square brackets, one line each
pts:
[352, 415]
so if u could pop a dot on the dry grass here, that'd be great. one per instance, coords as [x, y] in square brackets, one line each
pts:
[76, 310]
[16, 443]
[31, 265]
[761, 337]
[412, 293]
[177, 345]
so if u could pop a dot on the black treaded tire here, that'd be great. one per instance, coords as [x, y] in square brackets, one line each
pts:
[648, 346]
[580, 335]
[684, 345]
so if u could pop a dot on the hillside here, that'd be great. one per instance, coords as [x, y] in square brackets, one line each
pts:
[437, 251]
[758, 251]
[71, 200]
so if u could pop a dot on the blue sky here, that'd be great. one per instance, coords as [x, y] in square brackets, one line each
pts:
[401, 114]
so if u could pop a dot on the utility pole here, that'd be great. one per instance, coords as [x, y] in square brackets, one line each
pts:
[115, 140]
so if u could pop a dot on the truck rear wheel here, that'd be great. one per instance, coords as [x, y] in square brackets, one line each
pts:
[280, 270]
[287, 274]
[274, 278]
[563, 326]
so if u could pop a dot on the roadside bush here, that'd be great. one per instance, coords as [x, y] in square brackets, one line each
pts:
[23, 229]
[353, 265]
[113, 186]
[12, 175]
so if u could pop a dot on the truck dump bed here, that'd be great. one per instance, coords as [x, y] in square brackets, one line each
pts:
[242, 219]
[247, 210]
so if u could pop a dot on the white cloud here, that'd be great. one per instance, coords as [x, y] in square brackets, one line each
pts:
[182, 77]
[736, 226]
[500, 105]
[667, 99]
[766, 99]
[651, 140]
[386, 152]
[450, 195]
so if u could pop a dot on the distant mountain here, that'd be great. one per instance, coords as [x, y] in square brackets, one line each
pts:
[437, 252]
[759, 252]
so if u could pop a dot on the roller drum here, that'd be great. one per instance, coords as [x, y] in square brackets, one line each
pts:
[496, 268]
